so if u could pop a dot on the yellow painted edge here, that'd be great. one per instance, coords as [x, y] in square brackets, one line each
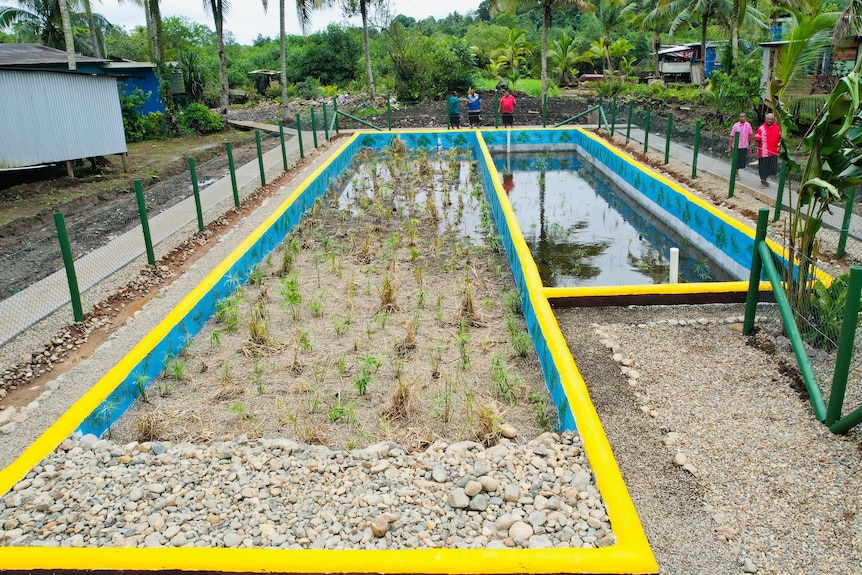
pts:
[652, 289]
[630, 555]
[72, 418]
[607, 560]
[636, 555]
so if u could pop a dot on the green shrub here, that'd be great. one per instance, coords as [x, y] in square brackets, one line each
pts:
[308, 89]
[197, 118]
[131, 103]
[157, 127]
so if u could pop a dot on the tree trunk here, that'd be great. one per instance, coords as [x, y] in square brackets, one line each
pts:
[67, 33]
[656, 46]
[94, 37]
[363, 9]
[703, 49]
[546, 25]
[285, 110]
[151, 51]
[608, 51]
[156, 22]
[224, 93]
[734, 34]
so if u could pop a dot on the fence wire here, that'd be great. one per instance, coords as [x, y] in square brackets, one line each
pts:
[99, 242]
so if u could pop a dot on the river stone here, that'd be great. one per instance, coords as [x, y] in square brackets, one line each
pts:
[512, 492]
[439, 474]
[472, 488]
[479, 502]
[380, 526]
[520, 530]
[457, 499]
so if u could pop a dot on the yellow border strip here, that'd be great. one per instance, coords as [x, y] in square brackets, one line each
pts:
[652, 289]
[635, 554]
[631, 554]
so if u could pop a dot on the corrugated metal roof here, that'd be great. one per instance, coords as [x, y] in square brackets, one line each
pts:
[52, 117]
[36, 54]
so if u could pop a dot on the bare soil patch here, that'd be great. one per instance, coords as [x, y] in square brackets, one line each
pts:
[388, 314]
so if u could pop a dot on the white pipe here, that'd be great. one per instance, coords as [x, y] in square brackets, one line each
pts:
[508, 141]
[674, 265]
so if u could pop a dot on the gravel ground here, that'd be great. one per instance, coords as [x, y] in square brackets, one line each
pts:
[765, 488]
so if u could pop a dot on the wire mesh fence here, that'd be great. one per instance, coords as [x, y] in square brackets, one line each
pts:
[105, 240]
[818, 310]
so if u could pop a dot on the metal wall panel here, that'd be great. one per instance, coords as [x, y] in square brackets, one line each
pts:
[52, 117]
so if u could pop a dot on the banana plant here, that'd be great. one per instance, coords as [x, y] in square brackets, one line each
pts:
[833, 165]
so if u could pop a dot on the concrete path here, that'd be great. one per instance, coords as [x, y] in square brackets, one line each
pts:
[748, 181]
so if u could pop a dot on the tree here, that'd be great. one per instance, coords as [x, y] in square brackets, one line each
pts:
[34, 21]
[219, 9]
[705, 11]
[564, 56]
[94, 34]
[302, 15]
[350, 8]
[68, 35]
[611, 14]
[548, 7]
[513, 51]
[655, 19]
[155, 32]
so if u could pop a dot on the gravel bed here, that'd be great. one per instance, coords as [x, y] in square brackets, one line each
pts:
[726, 463]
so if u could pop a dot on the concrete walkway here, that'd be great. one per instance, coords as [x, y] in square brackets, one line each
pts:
[38, 301]
[748, 181]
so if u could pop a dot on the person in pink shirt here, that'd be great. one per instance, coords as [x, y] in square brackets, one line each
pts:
[767, 138]
[745, 133]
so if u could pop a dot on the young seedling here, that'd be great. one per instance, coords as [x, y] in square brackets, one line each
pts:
[227, 312]
[289, 253]
[368, 366]
[141, 381]
[389, 291]
[463, 339]
[290, 295]
[316, 304]
[257, 376]
[505, 384]
[259, 324]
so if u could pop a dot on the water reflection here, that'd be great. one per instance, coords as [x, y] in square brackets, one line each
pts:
[583, 231]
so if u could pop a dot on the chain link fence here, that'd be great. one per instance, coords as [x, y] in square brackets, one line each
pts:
[107, 239]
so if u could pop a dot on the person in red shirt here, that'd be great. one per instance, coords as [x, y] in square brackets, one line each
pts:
[507, 109]
[767, 137]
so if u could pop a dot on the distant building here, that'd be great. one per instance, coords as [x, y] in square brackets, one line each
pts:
[681, 63]
[53, 115]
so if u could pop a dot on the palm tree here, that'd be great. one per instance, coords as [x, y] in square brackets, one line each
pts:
[304, 18]
[849, 23]
[219, 9]
[704, 11]
[94, 36]
[36, 20]
[564, 56]
[351, 8]
[68, 35]
[655, 19]
[513, 50]
[548, 7]
[611, 14]
[153, 18]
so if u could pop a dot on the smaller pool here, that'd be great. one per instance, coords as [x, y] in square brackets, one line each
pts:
[582, 230]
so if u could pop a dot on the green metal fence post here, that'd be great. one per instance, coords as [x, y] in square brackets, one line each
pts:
[733, 166]
[197, 192]
[646, 128]
[754, 278]
[845, 347]
[229, 147]
[613, 115]
[325, 123]
[335, 113]
[496, 111]
[667, 140]
[299, 135]
[260, 158]
[69, 263]
[629, 124]
[696, 148]
[845, 225]
[283, 149]
[145, 223]
[389, 112]
[313, 128]
[545, 110]
[779, 195]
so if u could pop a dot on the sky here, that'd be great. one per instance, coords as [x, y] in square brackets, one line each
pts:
[247, 19]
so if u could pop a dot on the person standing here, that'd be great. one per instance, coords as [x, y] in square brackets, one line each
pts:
[767, 138]
[745, 132]
[474, 107]
[507, 109]
[454, 112]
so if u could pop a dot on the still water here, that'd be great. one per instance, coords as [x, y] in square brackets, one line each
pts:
[582, 230]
